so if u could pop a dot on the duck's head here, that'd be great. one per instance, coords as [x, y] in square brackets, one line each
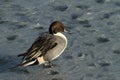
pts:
[56, 27]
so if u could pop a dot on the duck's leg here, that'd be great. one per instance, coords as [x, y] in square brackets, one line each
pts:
[49, 65]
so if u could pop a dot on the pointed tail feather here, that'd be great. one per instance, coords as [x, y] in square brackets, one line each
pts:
[28, 63]
[25, 64]
[23, 54]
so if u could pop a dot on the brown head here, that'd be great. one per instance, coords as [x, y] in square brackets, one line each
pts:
[56, 27]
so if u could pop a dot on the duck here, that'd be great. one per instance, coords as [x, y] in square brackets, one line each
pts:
[46, 48]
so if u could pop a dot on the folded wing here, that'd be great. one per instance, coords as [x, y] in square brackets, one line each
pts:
[39, 48]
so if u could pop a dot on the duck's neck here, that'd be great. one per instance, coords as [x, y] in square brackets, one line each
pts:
[61, 35]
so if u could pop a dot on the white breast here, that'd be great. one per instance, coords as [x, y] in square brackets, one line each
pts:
[64, 37]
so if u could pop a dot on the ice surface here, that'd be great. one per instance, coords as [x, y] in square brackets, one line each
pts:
[93, 26]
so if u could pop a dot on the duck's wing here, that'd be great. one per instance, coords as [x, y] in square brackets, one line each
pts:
[42, 44]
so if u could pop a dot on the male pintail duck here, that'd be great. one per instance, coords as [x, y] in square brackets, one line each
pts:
[47, 47]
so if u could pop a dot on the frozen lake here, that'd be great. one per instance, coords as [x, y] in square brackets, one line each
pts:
[93, 51]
